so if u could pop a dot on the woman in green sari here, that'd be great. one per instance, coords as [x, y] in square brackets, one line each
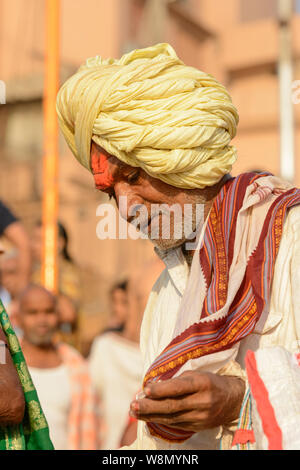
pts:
[33, 432]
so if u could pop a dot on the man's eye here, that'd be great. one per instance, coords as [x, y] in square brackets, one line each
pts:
[111, 195]
[133, 177]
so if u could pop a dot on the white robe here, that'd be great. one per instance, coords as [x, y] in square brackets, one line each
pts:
[116, 371]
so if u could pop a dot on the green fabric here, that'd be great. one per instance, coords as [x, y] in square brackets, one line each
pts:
[33, 432]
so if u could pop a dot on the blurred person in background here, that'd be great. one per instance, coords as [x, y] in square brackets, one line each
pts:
[59, 373]
[140, 284]
[69, 279]
[115, 367]
[9, 271]
[119, 307]
[69, 284]
[68, 328]
[13, 231]
[115, 358]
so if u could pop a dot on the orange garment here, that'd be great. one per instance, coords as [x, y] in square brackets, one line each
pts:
[84, 422]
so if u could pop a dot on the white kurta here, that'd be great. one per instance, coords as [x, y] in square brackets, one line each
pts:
[279, 326]
[54, 390]
[116, 371]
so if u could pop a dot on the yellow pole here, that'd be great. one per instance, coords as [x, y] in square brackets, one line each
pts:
[50, 168]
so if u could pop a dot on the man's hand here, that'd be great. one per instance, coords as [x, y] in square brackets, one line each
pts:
[192, 402]
[12, 402]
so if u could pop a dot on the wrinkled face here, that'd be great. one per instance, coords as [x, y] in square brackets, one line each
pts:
[118, 179]
[38, 317]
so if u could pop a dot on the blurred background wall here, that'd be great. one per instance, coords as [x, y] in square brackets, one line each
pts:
[235, 40]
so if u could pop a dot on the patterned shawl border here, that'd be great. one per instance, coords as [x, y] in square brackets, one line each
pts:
[168, 434]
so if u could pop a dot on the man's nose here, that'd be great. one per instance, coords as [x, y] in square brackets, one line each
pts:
[127, 200]
[41, 317]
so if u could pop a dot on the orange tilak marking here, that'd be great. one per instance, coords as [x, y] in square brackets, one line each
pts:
[100, 169]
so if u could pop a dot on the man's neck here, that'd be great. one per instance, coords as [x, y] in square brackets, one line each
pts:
[40, 356]
[188, 254]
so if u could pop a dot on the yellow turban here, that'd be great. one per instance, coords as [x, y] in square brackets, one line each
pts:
[151, 111]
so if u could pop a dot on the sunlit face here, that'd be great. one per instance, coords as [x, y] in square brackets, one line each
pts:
[119, 179]
[119, 302]
[67, 313]
[38, 316]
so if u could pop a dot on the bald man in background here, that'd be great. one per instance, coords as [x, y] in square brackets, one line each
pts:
[70, 408]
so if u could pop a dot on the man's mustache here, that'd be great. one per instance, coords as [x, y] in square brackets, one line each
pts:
[141, 218]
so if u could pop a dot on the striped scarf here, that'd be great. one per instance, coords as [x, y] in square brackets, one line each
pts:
[237, 259]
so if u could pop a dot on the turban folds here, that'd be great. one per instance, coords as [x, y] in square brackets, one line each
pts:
[152, 111]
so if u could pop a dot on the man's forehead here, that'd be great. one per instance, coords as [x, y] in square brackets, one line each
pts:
[106, 168]
[36, 295]
[102, 168]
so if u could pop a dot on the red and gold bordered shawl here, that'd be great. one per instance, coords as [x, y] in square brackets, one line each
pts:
[216, 254]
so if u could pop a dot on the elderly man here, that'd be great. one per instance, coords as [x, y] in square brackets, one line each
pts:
[158, 132]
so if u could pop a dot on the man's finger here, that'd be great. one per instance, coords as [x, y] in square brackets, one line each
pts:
[185, 421]
[185, 384]
[163, 406]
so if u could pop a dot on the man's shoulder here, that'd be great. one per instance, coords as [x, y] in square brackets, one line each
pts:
[69, 354]
[6, 217]
[104, 342]
[292, 221]
[294, 212]
[290, 238]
